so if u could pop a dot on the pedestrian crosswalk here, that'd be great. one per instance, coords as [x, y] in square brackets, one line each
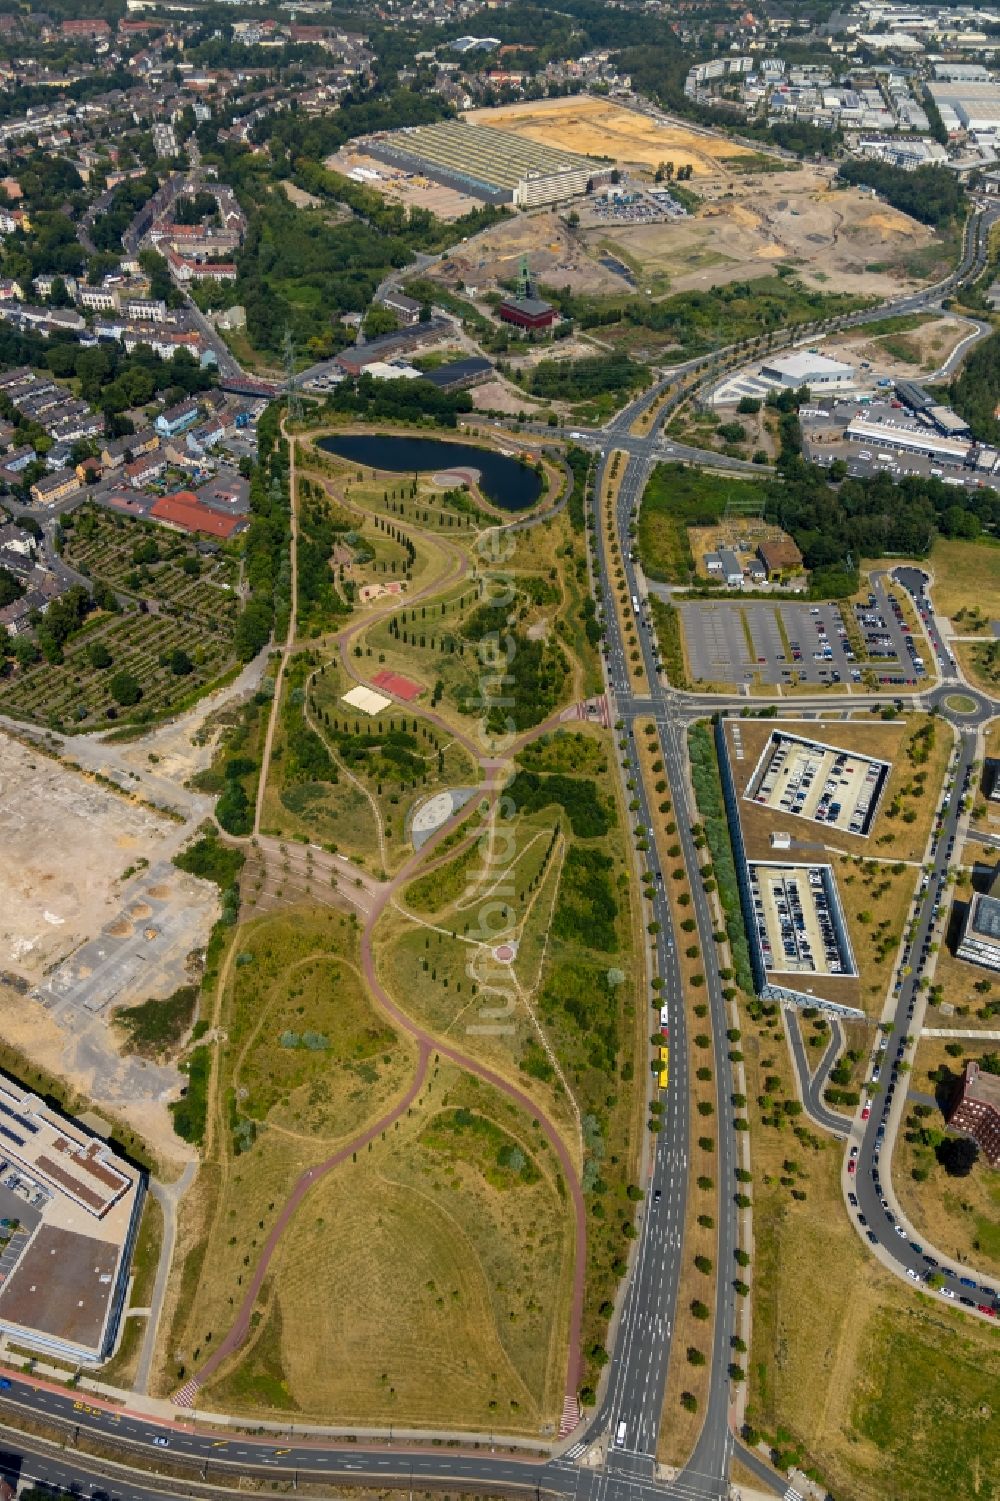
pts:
[793, 1495]
[570, 1416]
[187, 1393]
[576, 1450]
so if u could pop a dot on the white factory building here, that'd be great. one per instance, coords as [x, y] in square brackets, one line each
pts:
[972, 106]
[807, 368]
[908, 439]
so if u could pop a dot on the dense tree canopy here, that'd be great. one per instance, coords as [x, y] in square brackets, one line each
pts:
[933, 195]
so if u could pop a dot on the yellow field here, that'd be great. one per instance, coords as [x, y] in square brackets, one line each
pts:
[599, 127]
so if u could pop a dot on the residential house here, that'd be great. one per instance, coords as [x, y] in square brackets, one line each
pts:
[53, 487]
[19, 458]
[145, 469]
[177, 419]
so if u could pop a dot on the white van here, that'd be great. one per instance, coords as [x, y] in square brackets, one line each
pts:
[620, 1436]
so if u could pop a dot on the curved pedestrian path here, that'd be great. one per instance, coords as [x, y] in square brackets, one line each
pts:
[493, 766]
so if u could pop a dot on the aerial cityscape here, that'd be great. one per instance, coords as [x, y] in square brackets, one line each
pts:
[500, 750]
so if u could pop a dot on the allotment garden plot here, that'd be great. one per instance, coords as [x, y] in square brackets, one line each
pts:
[172, 634]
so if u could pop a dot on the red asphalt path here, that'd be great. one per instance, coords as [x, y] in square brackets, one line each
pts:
[311, 1176]
[427, 1043]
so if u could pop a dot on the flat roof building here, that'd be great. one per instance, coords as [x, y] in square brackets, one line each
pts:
[913, 396]
[495, 165]
[976, 1111]
[807, 369]
[980, 940]
[909, 439]
[77, 1205]
[731, 567]
[458, 375]
[779, 557]
[531, 313]
[946, 421]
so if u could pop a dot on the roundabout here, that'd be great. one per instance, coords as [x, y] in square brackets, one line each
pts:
[961, 703]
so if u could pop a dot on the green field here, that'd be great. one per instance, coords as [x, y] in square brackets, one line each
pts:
[553, 879]
[339, 777]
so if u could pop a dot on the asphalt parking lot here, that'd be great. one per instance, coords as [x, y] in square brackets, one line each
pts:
[739, 641]
[784, 643]
[823, 451]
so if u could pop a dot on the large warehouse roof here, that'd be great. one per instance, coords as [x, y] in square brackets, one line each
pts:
[497, 158]
[805, 367]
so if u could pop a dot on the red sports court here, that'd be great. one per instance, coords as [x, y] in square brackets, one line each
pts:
[397, 685]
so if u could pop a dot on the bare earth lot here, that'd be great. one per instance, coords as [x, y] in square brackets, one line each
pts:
[601, 128]
[557, 257]
[50, 903]
[837, 240]
[927, 346]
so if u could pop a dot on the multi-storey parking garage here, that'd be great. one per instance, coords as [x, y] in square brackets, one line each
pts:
[797, 923]
[807, 779]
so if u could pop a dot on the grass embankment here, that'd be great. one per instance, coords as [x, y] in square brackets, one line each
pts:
[876, 1388]
[875, 897]
[614, 475]
[424, 1284]
[555, 553]
[506, 648]
[711, 806]
[670, 638]
[303, 1061]
[234, 771]
[221, 864]
[120, 1369]
[688, 1371]
[338, 777]
[972, 993]
[959, 1214]
[564, 1020]
[966, 576]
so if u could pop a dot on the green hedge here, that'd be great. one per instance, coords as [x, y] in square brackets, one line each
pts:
[712, 808]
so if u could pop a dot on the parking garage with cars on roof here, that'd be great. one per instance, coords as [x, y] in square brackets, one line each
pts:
[807, 779]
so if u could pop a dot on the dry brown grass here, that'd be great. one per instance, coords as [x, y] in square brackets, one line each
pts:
[966, 576]
[875, 897]
[959, 1216]
[958, 981]
[412, 1289]
[876, 1381]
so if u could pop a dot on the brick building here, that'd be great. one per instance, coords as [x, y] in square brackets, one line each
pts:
[531, 313]
[977, 1111]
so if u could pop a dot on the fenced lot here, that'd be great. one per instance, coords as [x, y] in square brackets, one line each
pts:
[173, 634]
